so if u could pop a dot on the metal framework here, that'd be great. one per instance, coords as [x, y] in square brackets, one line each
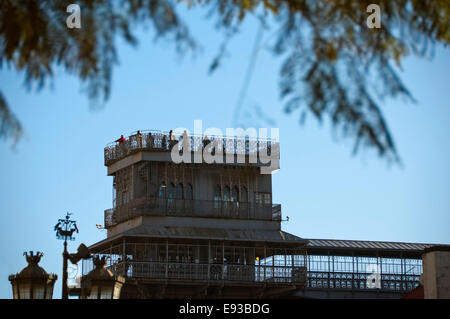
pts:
[224, 263]
[362, 272]
[161, 141]
[212, 263]
[160, 259]
[154, 206]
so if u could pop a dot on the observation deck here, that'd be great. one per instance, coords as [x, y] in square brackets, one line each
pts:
[256, 151]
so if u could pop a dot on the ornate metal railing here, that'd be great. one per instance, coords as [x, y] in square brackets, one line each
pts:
[359, 272]
[260, 273]
[151, 206]
[358, 281]
[161, 141]
[185, 261]
[210, 272]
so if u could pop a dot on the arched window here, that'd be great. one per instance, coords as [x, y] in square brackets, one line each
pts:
[179, 192]
[114, 194]
[226, 194]
[162, 190]
[170, 195]
[235, 194]
[171, 191]
[189, 195]
[244, 195]
[217, 193]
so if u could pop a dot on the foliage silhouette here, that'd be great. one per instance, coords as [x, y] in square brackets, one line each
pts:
[332, 60]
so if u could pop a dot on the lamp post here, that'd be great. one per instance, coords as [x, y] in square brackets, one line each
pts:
[64, 231]
[101, 283]
[33, 282]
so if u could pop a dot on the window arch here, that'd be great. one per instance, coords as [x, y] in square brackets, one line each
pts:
[179, 191]
[189, 194]
[162, 190]
[226, 194]
[217, 193]
[114, 192]
[244, 195]
[171, 191]
[235, 194]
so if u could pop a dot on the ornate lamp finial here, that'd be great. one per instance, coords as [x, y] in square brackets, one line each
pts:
[65, 228]
[33, 259]
[99, 262]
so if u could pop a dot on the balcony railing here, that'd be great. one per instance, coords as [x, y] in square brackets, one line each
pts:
[348, 280]
[225, 262]
[160, 141]
[210, 272]
[151, 206]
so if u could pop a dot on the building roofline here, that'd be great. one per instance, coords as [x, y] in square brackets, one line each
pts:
[106, 241]
[346, 247]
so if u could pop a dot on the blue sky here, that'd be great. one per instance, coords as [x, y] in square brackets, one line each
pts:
[327, 192]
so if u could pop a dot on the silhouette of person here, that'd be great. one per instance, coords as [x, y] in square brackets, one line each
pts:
[172, 140]
[123, 145]
[139, 139]
[150, 140]
[121, 139]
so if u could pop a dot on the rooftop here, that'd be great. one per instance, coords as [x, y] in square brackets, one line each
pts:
[318, 246]
[160, 141]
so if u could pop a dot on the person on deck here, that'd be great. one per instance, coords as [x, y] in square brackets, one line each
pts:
[139, 139]
[122, 145]
[121, 140]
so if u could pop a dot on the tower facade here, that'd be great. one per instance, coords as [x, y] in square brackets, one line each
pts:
[202, 226]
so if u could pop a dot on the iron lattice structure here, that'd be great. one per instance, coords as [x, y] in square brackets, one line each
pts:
[198, 230]
[331, 271]
[161, 141]
[360, 272]
[203, 263]
[154, 206]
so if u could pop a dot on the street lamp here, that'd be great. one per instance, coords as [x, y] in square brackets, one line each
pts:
[33, 282]
[64, 231]
[101, 283]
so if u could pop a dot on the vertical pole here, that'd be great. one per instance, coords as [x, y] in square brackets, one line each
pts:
[209, 259]
[333, 279]
[273, 266]
[265, 262]
[292, 266]
[115, 266]
[381, 272]
[357, 274]
[329, 271]
[133, 265]
[353, 270]
[308, 260]
[223, 260]
[379, 266]
[167, 258]
[305, 264]
[402, 263]
[124, 258]
[65, 290]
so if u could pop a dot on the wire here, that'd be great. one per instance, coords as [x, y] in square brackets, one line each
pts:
[248, 75]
